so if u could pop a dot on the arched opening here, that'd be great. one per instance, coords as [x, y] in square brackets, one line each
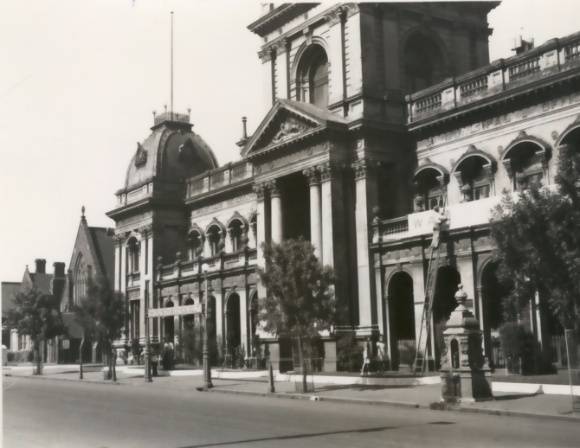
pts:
[254, 324]
[194, 245]
[236, 234]
[423, 63]
[233, 328]
[474, 178]
[169, 325]
[401, 319]
[492, 314]
[524, 164]
[444, 303]
[429, 188]
[214, 236]
[455, 354]
[312, 77]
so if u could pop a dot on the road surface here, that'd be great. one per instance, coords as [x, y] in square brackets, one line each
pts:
[49, 413]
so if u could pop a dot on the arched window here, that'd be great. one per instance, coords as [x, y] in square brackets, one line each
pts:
[474, 175]
[525, 162]
[79, 281]
[423, 63]
[312, 77]
[236, 234]
[214, 236]
[194, 245]
[429, 188]
[133, 255]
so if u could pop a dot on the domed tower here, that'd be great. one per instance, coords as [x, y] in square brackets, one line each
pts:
[150, 215]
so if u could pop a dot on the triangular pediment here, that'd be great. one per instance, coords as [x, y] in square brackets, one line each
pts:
[287, 122]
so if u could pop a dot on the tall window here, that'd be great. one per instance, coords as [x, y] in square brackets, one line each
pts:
[79, 281]
[423, 63]
[214, 239]
[194, 245]
[312, 77]
[133, 254]
[236, 235]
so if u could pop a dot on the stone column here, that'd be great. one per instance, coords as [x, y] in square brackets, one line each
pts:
[244, 320]
[260, 190]
[142, 283]
[219, 319]
[366, 198]
[276, 212]
[326, 179]
[315, 211]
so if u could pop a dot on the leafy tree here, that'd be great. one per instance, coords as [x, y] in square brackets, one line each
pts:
[538, 243]
[36, 314]
[300, 300]
[102, 315]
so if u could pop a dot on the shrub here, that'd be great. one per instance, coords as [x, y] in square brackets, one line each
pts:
[407, 352]
[348, 353]
[518, 347]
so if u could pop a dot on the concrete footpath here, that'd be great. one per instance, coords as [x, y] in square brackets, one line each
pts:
[372, 393]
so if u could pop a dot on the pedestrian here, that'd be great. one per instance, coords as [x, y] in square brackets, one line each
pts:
[381, 356]
[154, 361]
[366, 359]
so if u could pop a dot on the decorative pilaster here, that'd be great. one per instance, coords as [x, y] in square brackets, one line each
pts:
[327, 174]
[365, 200]
[276, 212]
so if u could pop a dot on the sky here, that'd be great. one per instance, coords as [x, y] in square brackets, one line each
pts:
[79, 81]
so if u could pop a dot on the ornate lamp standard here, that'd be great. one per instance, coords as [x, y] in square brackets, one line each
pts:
[207, 384]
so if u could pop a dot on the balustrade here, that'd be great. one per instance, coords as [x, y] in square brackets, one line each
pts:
[555, 56]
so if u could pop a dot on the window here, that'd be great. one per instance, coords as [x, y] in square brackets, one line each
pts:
[429, 189]
[214, 239]
[133, 255]
[79, 281]
[312, 77]
[194, 245]
[474, 176]
[236, 230]
[423, 63]
[524, 163]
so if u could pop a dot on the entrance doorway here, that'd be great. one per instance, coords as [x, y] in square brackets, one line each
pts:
[295, 195]
[401, 319]
[233, 328]
[169, 325]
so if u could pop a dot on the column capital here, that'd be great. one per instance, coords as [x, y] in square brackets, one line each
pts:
[312, 174]
[145, 230]
[273, 188]
[260, 190]
[363, 167]
[327, 171]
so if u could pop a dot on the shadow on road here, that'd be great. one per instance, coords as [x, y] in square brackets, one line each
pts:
[314, 434]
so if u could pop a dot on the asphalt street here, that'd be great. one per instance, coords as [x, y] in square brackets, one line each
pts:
[49, 413]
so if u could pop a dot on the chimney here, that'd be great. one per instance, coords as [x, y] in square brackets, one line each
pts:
[40, 265]
[523, 46]
[58, 269]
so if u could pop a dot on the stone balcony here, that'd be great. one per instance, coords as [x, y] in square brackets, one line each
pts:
[464, 215]
[218, 179]
[555, 58]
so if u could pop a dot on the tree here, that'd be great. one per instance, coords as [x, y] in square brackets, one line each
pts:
[300, 302]
[538, 243]
[101, 313]
[36, 314]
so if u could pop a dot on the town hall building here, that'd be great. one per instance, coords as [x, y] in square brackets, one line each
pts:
[378, 113]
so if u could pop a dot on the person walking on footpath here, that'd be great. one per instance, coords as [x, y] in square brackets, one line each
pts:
[366, 359]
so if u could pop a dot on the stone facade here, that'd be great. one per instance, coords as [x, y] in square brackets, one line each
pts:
[353, 157]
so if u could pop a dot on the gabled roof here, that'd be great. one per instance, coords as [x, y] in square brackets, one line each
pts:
[289, 121]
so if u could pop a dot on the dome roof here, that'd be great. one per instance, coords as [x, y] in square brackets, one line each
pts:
[172, 152]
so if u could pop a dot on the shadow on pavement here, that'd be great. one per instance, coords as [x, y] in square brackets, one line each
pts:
[314, 434]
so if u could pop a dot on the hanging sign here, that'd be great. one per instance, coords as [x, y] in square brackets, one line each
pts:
[175, 310]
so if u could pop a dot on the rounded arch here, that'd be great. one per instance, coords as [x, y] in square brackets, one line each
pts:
[474, 152]
[168, 302]
[430, 181]
[425, 61]
[401, 317]
[525, 160]
[311, 74]
[570, 134]
[316, 40]
[195, 242]
[237, 217]
[215, 223]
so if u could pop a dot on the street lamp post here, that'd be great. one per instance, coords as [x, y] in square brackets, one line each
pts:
[147, 375]
[206, 367]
